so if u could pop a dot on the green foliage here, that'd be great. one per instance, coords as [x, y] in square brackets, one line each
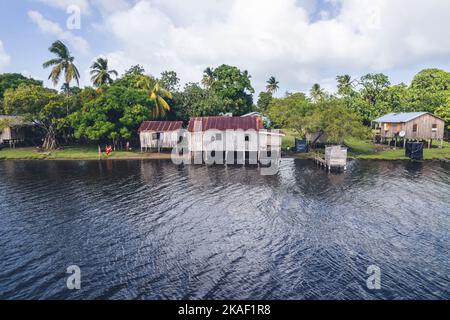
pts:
[264, 100]
[335, 120]
[233, 88]
[272, 85]
[63, 63]
[44, 107]
[169, 80]
[101, 75]
[13, 81]
[287, 112]
[114, 114]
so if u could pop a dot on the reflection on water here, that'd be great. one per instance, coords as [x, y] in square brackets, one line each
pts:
[153, 230]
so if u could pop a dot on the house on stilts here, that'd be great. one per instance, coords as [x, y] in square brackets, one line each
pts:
[226, 139]
[406, 126]
[159, 135]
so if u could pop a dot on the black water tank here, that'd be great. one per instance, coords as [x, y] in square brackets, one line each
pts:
[414, 150]
[301, 146]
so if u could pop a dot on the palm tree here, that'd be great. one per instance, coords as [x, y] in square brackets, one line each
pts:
[63, 63]
[100, 73]
[208, 77]
[157, 94]
[345, 85]
[272, 85]
[317, 94]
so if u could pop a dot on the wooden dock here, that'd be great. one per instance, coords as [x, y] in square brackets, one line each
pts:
[335, 158]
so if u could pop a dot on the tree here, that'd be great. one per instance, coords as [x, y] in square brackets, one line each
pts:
[170, 81]
[101, 75]
[13, 81]
[157, 94]
[373, 87]
[208, 78]
[316, 93]
[63, 63]
[114, 115]
[44, 107]
[264, 100]
[233, 88]
[429, 90]
[345, 86]
[272, 85]
[284, 112]
[333, 119]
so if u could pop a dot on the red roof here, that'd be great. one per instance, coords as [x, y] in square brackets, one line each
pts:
[161, 126]
[226, 123]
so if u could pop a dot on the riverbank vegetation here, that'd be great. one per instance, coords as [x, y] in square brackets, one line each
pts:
[111, 110]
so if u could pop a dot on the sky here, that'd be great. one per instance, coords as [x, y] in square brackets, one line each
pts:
[300, 42]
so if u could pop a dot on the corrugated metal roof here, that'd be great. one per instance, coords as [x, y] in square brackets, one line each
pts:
[13, 120]
[161, 126]
[225, 123]
[400, 117]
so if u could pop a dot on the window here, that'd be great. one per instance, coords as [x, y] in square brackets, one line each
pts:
[218, 137]
[415, 127]
[156, 136]
[386, 127]
[247, 138]
[434, 128]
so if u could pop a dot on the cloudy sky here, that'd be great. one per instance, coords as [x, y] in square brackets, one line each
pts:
[300, 42]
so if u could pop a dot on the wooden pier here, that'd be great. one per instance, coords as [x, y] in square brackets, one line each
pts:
[335, 158]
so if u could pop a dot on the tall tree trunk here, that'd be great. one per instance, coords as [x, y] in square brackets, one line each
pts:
[50, 140]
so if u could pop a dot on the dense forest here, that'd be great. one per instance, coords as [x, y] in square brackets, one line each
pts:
[114, 106]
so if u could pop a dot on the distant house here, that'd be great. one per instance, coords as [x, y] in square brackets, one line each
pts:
[12, 130]
[157, 135]
[242, 135]
[412, 126]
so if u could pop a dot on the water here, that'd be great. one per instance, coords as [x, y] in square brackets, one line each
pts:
[152, 230]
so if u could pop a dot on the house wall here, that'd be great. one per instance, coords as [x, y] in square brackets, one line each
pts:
[166, 140]
[232, 140]
[5, 134]
[390, 130]
[12, 133]
[424, 128]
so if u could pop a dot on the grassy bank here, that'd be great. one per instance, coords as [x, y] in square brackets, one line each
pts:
[361, 149]
[367, 150]
[75, 153]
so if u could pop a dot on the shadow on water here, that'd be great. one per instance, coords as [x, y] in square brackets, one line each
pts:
[154, 230]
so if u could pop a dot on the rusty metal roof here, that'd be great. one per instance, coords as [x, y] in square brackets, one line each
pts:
[160, 126]
[225, 123]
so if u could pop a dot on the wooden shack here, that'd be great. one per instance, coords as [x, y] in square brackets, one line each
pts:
[411, 126]
[244, 137]
[12, 130]
[158, 135]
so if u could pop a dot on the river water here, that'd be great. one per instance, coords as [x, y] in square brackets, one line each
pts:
[153, 230]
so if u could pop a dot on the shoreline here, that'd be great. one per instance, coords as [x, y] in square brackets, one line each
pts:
[89, 153]
[166, 157]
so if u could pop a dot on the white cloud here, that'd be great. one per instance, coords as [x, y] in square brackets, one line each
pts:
[4, 57]
[47, 26]
[298, 41]
[281, 40]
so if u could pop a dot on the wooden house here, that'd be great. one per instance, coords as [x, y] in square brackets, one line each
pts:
[244, 136]
[12, 130]
[158, 135]
[411, 126]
